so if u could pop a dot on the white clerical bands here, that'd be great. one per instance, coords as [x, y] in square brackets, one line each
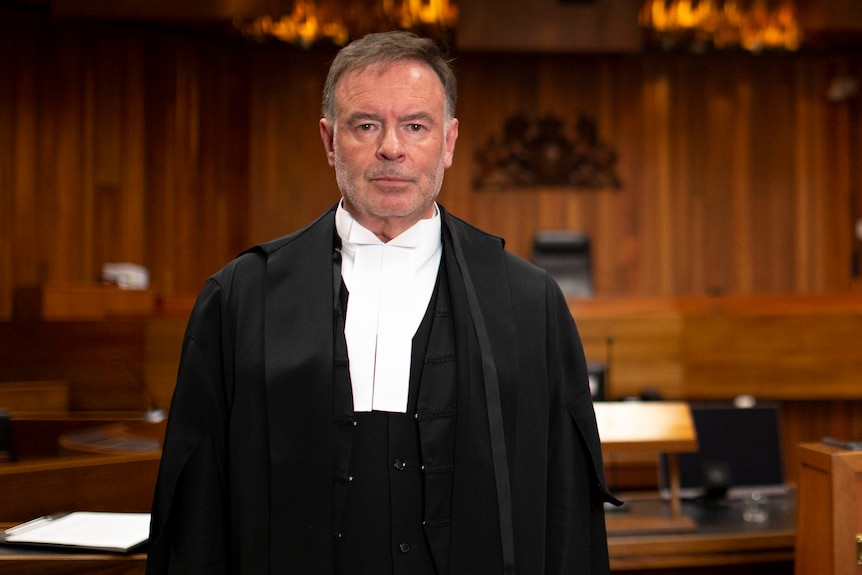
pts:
[390, 286]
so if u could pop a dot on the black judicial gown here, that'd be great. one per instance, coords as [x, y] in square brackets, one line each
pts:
[245, 485]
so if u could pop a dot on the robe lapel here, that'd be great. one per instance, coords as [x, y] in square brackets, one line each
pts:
[484, 257]
[481, 276]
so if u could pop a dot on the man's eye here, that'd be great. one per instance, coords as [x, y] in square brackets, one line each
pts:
[414, 127]
[365, 127]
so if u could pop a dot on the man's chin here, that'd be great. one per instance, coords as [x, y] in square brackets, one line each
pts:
[393, 206]
[396, 207]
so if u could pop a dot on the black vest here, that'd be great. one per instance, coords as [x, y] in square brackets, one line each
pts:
[384, 466]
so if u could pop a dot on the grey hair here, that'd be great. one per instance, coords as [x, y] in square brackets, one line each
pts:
[387, 47]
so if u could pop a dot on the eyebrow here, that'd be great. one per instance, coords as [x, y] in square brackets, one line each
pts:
[417, 116]
[361, 116]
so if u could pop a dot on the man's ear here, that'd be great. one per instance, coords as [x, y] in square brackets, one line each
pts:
[327, 134]
[451, 137]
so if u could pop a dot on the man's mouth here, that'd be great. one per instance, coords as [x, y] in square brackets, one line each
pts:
[390, 181]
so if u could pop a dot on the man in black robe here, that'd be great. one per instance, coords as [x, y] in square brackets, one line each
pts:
[386, 390]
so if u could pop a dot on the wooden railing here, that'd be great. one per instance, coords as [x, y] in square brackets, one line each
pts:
[801, 351]
[776, 347]
[57, 459]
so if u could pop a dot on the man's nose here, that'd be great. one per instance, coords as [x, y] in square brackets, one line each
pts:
[391, 147]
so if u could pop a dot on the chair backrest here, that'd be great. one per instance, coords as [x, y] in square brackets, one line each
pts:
[566, 256]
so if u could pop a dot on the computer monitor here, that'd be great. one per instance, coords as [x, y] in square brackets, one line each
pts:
[744, 442]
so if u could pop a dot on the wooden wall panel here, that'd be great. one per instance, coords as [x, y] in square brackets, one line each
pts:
[290, 181]
[177, 149]
[20, 190]
[125, 144]
[709, 164]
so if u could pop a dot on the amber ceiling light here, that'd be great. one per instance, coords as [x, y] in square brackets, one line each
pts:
[306, 22]
[753, 25]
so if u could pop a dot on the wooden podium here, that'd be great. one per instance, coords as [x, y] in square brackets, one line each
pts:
[649, 427]
[829, 511]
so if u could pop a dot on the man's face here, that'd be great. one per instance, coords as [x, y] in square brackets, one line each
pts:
[390, 143]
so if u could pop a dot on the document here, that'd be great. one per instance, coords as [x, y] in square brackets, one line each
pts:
[98, 531]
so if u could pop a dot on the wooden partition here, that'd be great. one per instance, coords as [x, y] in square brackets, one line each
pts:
[71, 443]
[120, 364]
[38, 435]
[802, 352]
[29, 396]
[829, 525]
[120, 482]
[772, 347]
[70, 461]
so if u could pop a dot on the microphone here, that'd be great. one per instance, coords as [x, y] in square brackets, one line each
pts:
[153, 413]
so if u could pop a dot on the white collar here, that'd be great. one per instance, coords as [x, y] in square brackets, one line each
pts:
[390, 286]
[424, 234]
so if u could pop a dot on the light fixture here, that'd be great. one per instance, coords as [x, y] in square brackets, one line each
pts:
[753, 25]
[306, 22]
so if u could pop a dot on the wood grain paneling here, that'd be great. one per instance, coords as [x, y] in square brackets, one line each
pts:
[104, 361]
[98, 483]
[178, 149]
[713, 200]
[773, 347]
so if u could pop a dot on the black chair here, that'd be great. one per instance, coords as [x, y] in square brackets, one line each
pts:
[566, 256]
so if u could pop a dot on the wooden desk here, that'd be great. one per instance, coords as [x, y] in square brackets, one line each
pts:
[722, 541]
[116, 473]
[24, 561]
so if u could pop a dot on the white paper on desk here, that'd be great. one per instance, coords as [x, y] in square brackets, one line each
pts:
[89, 530]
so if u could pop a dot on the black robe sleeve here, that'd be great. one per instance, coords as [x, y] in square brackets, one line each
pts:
[189, 515]
[576, 534]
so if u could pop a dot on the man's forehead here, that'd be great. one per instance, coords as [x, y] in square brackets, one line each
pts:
[409, 92]
[417, 68]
